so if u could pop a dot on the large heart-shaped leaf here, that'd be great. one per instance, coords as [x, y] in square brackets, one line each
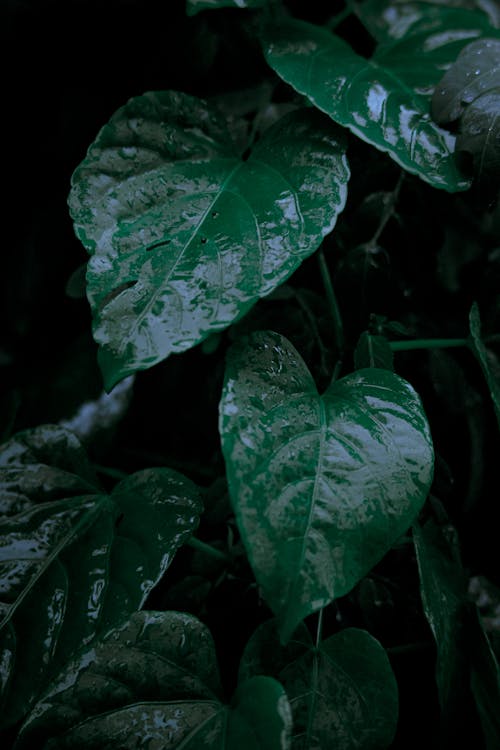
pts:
[75, 561]
[343, 694]
[384, 100]
[185, 234]
[321, 486]
[155, 682]
[464, 657]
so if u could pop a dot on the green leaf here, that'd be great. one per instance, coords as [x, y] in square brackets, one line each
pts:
[343, 693]
[453, 20]
[195, 6]
[470, 91]
[322, 486]
[75, 561]
[384, 100]
[373, 351]
[156, 680]
[185, 234]
[486, 358]
[464, 657]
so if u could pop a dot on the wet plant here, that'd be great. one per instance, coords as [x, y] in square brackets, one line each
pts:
[257, 513]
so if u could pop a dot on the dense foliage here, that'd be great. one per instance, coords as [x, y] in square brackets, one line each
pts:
[247, 490]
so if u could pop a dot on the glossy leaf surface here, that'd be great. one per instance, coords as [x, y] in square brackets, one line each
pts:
[486, 358]
[195, 6]
[384, 100]
[373, 351]
[156, 680]
[343, 694]
[470, 91]
[321, 486]
[387, 20]
[75, 561]
[185, 235]
[464, 657]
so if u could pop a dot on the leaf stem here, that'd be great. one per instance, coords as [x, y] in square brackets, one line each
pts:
[388, 211]
[197, 544]
[319, 628]
[403, 346]
[338, 327]
[109, 471]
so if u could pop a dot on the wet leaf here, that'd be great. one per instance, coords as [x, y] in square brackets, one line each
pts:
[452, 20]
[475, 73]
[185, 235]
[464, 656]
[487, 359]
[343, 693]
[156, 680]
[384, 101]
[322, 486]
[74, 561]
[195, 6]
[373, 351]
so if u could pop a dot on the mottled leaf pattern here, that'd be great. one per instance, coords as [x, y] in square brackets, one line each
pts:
[343, 693]
[185, 235]
[321, 486]
[156, 680]
[376, 99]
[195, 6]
[75, 561]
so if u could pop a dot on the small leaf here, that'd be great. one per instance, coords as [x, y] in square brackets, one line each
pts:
[376, 99]
[155, 680]
[373, 351]
[322, 486]
[344, 694]
[195, 6]
[185, 234]
[74, 561]
[486, 358]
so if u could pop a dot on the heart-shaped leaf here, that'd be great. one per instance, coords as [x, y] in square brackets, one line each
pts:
[322, 486]
[344, 694]
[74, 561]
[156, 681]
[384, 100]
[185, 234]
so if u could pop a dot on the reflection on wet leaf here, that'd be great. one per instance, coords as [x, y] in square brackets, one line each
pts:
[322, 486]
[185, 236]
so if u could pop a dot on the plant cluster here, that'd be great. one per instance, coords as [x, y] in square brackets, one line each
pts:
[264, 532]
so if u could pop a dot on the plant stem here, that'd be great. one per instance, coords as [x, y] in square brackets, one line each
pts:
[408, 648]
[338, 327]
[319, 628]
[388, 212]
[109, 471]
[208, 549]
[403, 346]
